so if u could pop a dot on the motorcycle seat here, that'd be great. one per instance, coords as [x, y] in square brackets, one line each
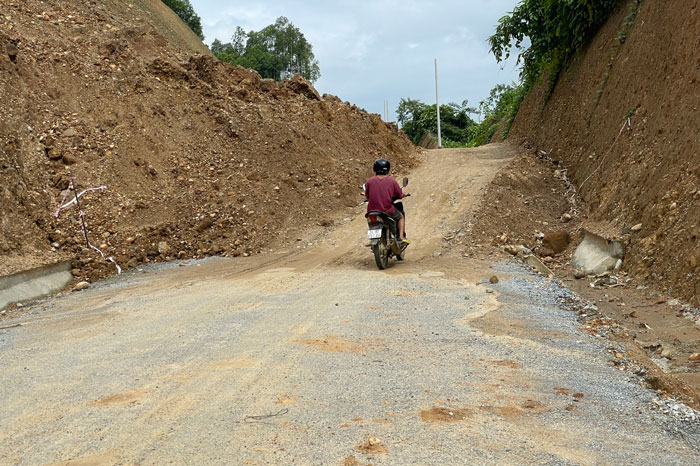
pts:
[385, 218]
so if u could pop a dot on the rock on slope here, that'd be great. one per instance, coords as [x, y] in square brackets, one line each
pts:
[647, 172]
[198, 156]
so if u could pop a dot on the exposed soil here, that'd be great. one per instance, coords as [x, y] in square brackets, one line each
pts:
[352, 461]
[333, 344]
[372, 445]
[213, 353]
[511, 411]
[529, 197]
[436, 414]
[615, 146]
[198, 158]
[202, 159]
[623, 120]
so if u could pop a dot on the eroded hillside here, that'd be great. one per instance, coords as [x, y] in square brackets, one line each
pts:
[623, 120]
[198, 158]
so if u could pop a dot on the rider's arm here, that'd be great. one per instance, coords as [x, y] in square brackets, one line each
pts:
[397, 190]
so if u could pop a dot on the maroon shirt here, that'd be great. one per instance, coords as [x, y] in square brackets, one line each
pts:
[379, 193]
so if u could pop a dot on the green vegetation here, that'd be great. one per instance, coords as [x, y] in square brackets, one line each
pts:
[546, 34]
[184, 9]
[500, 108]
[621, 38]
[418, 119]
[553, 31]
[458, 130]
[630, 19]
[278, 51]
[556, 30]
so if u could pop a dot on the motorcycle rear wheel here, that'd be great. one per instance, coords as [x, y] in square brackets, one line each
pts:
[381, 252]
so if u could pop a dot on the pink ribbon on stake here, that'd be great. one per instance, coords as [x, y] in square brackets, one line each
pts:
[70, 187]
[81, 214]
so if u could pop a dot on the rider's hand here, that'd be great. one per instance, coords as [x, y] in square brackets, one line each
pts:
[405, 194]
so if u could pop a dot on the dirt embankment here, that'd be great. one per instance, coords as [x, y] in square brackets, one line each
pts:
[643, 172]
[199, 158]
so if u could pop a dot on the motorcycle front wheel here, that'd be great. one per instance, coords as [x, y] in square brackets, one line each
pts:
[381, 252]
[402, 255]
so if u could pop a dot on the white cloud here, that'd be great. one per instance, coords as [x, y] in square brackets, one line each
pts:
[370, 51]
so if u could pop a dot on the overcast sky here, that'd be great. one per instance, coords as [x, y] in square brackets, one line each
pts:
[375, 50]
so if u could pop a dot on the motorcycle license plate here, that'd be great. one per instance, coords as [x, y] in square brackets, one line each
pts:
[374, 234]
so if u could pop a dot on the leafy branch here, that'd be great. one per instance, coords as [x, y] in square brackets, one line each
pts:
[555, 29]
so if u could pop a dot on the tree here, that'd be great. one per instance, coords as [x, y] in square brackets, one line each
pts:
[407, 114]
[502, 104]
[547, 33]
[277, 51]
[418, 119]
[184, 9]
[409, 110]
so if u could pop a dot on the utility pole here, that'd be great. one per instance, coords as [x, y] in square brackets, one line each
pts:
[437, 104]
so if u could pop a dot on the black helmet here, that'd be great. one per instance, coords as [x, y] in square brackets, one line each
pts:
[381, 166]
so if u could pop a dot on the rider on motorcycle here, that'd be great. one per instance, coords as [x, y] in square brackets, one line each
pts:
[381, 190]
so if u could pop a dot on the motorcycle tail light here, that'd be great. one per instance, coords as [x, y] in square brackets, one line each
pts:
[372, 219]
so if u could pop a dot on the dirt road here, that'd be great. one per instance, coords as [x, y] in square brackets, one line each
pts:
[315, 357]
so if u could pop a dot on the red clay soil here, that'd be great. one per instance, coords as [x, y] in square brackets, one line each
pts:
[199, 158]
[647, 172]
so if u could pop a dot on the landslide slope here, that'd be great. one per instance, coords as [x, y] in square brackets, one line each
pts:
[196, 155]
[647, 172]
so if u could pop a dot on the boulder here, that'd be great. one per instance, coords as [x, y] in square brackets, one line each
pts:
[301, 86]
[511, 249]
[69, 159]
[53, 153]
[12, 51]
[557, 241]
[597, 255]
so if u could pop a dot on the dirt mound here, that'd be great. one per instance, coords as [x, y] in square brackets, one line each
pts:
[623, 119]
[199, 158]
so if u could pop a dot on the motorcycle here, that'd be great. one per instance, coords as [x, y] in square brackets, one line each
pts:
[383, 234]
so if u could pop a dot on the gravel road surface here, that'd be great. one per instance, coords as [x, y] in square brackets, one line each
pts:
[314, 357]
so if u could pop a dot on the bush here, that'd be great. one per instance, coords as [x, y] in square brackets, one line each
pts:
[556, 30]
[185, 10]
[502, 104]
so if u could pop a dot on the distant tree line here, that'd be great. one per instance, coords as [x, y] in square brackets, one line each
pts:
[277, 51]
[458, 129]
[418, 119]
[498, 110]
[184, 9]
